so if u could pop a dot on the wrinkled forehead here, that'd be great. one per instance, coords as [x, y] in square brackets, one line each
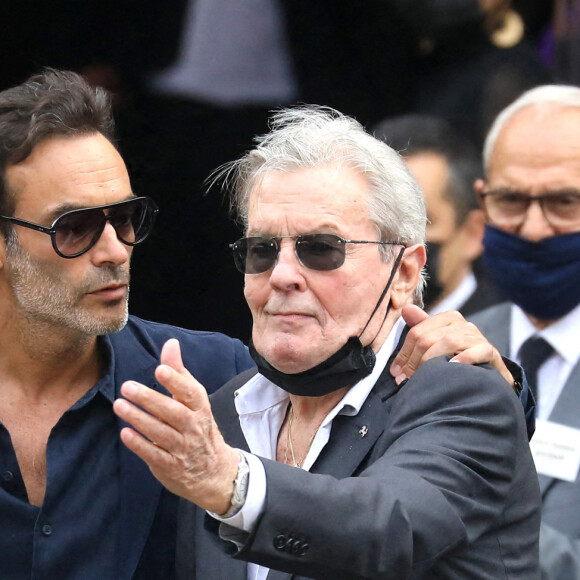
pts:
[327, 194]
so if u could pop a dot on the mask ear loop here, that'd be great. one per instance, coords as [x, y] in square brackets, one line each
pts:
[382, 296]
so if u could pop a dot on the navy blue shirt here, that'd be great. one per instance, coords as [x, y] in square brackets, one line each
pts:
[57, 540]
[80, 532]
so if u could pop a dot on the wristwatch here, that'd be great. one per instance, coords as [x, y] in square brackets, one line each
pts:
[240, 487]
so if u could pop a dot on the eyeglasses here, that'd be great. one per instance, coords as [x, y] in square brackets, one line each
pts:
[76, 232]
[315, 251]
[508, 208]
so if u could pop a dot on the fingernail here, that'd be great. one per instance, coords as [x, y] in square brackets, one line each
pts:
[163, 372]
[400, 378]
[396, 370]
[130, 388]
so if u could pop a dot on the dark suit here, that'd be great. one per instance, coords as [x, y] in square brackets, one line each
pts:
[441, 485]
[560, 531]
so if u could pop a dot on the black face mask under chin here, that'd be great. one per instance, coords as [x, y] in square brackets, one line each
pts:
[347, 366]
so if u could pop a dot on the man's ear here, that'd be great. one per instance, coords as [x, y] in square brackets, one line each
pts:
[471, 232]
[408, 275]
[478, 187]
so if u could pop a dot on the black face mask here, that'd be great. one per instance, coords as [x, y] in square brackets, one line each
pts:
[433, 289]
[347, 366]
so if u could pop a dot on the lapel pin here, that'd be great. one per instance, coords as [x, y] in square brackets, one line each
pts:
[363, 431]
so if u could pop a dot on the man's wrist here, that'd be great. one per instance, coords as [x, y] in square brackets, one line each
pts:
[240, 488]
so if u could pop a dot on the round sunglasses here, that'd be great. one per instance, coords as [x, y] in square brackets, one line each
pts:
[322, 252]
[76, 232]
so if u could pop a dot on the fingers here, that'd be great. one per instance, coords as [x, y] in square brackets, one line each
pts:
[154, 440]
[153, 414]
[428, 337]
[183, 447]
[171, 356]
[413, 314]
[173, 375]
[443, 334]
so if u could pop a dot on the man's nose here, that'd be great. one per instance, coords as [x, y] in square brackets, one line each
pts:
[535, 226]
[287, 272]
[109, 248]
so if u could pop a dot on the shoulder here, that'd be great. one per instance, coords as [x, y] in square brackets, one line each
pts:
[462, 379]
[440, 389]
[213, 358]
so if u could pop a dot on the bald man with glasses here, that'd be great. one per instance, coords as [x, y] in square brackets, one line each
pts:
[531, 197]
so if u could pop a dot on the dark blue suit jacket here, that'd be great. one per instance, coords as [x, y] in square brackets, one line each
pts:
[148, 511]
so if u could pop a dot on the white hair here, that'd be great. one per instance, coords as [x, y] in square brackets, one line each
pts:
[549, 96]
[311, 136]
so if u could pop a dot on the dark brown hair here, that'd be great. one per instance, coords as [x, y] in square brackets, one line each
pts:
[52, 103]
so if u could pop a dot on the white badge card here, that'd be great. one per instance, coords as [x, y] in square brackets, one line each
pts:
[556, 450]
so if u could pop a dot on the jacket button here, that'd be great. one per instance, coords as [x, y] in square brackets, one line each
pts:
[299, 548]
[290, 545]
[280, 542]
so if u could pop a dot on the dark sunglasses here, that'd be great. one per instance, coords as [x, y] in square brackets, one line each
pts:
[76, 232]
[315, 251]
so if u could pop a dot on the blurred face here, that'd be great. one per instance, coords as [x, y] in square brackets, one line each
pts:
[88, 293]
[537, 152]
[302, 316]
[456, 248]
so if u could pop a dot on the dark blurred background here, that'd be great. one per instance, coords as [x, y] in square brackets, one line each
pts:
[193, 82]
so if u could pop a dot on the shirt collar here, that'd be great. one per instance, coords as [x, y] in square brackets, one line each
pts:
[562, 334]
[106, 384]
[260, 394]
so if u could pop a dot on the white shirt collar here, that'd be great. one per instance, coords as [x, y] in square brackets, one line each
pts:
[259, 394]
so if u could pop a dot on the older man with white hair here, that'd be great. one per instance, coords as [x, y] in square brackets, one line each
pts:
[317, 464]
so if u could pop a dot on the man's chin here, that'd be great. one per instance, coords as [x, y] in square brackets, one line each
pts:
[108, 324]
[292, 363]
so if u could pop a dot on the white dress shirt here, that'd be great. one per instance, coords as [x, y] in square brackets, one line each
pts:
[563, 336]
[262, 407]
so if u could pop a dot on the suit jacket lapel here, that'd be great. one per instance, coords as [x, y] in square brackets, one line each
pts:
[352, 438]
[566, 409]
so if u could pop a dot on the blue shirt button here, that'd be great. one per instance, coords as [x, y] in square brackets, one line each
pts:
[7, 476]
[47, 530]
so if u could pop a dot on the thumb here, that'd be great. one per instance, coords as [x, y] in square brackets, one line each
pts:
[171, 356]
[412, 314]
